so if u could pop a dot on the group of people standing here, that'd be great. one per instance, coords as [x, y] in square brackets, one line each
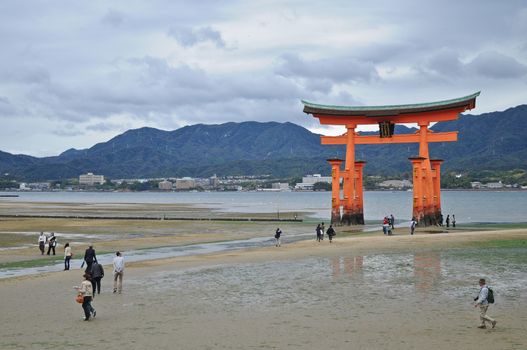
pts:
[448, 221]
[50, 240]
[320, 231]
[388, 224]
[93, 275]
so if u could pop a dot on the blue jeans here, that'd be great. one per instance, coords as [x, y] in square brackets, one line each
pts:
[86, 306]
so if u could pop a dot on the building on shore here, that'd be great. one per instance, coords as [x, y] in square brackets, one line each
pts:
[309, 181]
[34, 186]
[185, 183]
[90, 179]
[280, 186]
[214, 182]
[165, 185]
[396, 184]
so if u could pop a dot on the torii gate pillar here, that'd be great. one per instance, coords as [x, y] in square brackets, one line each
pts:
[436, 177]
[418, 193]
[335, 190]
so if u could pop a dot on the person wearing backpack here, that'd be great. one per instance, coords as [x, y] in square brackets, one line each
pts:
[485, 296]
[277, 235]
[331, 233]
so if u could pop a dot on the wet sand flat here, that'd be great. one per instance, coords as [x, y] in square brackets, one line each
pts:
[370, 292]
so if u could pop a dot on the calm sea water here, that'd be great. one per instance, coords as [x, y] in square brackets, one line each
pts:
[468, 206]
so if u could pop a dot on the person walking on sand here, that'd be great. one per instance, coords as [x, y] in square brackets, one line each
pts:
[97, 273]
[89, 258]
[322, 231]
[385, 225]
[483, 303]
[392, 221]
[447, 221]
[277, 235]
[86, 289]
[118, 270]
[331, 233]
[52, 243]
[67, 256]
[318, 230]
[453, 220]
[413, 223]
[42, 242]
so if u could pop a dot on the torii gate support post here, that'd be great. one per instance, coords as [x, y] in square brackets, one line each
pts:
[436, 170]
[348, 217]
[418, 212]
[335, 190]
[359, 210]
[427, 186]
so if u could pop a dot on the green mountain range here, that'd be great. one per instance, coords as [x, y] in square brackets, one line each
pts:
[490, 141]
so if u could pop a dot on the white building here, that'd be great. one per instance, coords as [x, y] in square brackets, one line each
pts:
[90, 179]
[310, 180]
[494, 185]
[281, 186]
[396, 184]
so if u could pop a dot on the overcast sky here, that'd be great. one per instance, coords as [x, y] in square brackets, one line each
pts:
[75, 73]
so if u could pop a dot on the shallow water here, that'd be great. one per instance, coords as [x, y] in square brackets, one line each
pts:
[160, 253]
[468, 206]
[446, 277]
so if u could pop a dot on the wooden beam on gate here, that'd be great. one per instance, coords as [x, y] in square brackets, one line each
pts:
[376, 140]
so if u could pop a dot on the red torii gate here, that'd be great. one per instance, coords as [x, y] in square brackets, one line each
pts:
[426, 171]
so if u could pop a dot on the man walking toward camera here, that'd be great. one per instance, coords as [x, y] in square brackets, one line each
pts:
[118, 269]
[483, 303]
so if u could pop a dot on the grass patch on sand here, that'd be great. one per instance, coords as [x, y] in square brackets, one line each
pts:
[30, 263]
[501, 243]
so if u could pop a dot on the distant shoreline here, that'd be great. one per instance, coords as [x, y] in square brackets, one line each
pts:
[302, 191]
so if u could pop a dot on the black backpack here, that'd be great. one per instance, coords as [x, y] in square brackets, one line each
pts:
[490, 296]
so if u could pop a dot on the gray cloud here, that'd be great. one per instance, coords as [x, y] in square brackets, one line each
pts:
[446, 62]
[68, 130]
[89, 70]
[113, 18]
[497, 66]
[104, 127]
[338, 70]
[189, 37]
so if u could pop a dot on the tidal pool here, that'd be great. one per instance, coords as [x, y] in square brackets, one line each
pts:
[449, 276]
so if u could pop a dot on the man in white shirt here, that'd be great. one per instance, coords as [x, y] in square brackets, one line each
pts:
[118, 269]
[42, 242]
[483, 304]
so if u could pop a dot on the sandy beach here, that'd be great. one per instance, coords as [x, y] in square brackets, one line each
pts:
[361, 292]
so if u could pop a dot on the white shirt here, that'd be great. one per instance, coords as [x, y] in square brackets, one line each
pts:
[42, 238]
[86, 289]
[483, 294]
[118, 264]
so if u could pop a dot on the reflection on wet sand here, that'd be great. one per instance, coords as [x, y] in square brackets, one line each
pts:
[427, 270]
[347, 266]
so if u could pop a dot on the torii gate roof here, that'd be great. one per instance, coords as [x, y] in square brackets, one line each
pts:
[464, 103]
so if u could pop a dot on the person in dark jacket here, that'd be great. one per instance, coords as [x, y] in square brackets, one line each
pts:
[52, 243]
[277, 235]
[331, 233]
[97, 273]
[89, 258]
